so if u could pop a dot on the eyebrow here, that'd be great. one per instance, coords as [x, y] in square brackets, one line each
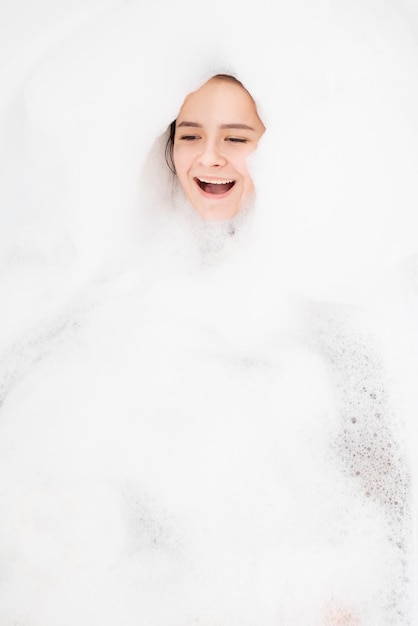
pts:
[233, 126]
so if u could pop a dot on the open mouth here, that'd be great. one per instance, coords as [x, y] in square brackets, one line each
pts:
[215, 187]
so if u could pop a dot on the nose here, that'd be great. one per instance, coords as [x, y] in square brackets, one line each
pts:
[211, 155]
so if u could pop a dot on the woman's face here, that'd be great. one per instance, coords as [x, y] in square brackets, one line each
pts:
[216, 129]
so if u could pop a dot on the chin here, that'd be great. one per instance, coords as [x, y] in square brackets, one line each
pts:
[220, 212]
[217, 214]
[228, 213]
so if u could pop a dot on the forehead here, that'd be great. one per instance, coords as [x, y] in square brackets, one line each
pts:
[219, 100]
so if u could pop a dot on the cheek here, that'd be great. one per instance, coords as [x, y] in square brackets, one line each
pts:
[177, 160]
[246, 176]
[182, 159]
[249, 184]
[182, 165]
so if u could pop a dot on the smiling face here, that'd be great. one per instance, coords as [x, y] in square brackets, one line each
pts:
[216, 129]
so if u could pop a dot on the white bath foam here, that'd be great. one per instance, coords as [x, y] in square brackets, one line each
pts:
[392, 307]
[205, 468]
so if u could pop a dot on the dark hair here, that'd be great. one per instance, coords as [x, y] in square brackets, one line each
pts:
[169, 147]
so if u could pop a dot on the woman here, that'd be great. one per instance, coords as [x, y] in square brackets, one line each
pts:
[217, 128]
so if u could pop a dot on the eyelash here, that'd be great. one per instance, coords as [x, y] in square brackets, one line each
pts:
[230, 139]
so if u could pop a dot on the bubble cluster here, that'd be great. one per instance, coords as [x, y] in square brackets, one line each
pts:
[370, 443]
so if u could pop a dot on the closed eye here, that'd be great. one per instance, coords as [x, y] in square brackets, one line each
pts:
[237, 140]
[189, 137]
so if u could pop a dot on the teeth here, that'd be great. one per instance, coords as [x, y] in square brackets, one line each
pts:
[215, 182]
